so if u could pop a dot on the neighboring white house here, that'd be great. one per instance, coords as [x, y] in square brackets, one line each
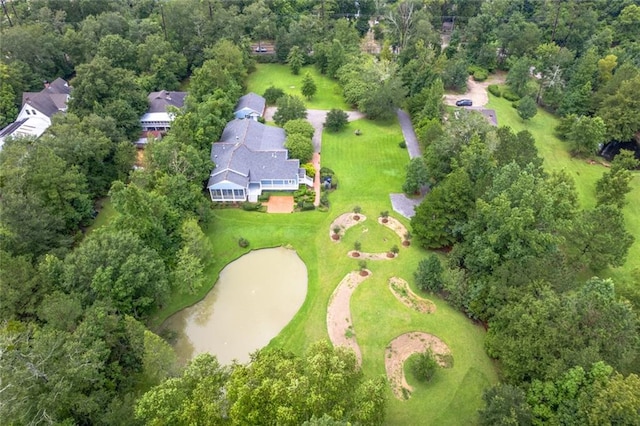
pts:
[250, 106]
[249, 159]
[37, 110]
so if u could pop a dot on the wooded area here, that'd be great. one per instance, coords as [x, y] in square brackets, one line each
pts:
[522, 250]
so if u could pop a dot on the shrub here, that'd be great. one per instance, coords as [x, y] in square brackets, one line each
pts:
[515, 104]
[324, 200]
[243, 242]
[494, 89]
[402, 145]
[251, 207]
[300, 127]
[263, 197]
[307, 205]
[309, 169]
[357, 246]
[429, 274]
[395, 249]
[478, 73]
[424, 366]
[272, 94]
[510, 95]
[336, 120]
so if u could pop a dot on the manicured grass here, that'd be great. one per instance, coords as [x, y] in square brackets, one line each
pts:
[585, 175]
[328, 95]
[368, 167]
[106, 213]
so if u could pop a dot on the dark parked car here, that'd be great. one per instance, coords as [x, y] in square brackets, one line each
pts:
[464, 102]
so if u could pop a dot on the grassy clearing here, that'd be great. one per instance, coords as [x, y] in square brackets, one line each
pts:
[368, 167]
[328, 95]
[585, 175]
[106, 213]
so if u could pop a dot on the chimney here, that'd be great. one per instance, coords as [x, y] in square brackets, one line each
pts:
[46, 84]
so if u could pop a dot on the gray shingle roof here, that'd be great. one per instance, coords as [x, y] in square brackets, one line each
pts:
[158, 101]
[12, 127]
[257, 136]
[249, 152]
[252, 101]
[51, 99]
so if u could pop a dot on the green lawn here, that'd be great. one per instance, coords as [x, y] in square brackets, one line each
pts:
[106, 213]
[368, 168]
[328, 95]
[585, 175]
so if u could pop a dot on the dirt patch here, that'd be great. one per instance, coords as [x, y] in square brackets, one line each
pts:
[395, 226]
[371, 256]
[400, 289]
[280, 204]
[401, 348]
[339, 324]
[476, 90]
[344, 222]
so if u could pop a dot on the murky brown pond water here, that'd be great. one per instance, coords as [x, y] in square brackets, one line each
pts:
[254, 298]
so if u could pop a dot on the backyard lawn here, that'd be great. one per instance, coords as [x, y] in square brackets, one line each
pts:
[585, 175]
[368, 168]
[328, 94]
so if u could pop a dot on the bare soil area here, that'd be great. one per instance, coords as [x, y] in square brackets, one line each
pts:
[400, 289]
[476, 90]
[344, 222]
[339, 324]
[370, 256]
[395, 226]
[400, 349]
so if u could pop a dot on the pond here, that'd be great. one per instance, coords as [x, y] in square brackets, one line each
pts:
[254, 298]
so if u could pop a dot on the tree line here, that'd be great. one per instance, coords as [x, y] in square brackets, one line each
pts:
[74, 305]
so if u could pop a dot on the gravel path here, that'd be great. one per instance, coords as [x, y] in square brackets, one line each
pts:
[476, 91]
[399, 202]
[317, 118]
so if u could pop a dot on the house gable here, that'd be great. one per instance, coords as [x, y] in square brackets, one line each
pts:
[251, 106]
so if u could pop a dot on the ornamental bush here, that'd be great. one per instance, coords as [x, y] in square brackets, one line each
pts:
[494, 89]
[424, 366]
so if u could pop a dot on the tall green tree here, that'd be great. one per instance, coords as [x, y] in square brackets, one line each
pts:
[197, 397]
[527, 108]
[103, 89]
[289, 108]
[308, 88]
[597, 238]
[416, 176]
[519, 76]
[116, 266]
[299, 147]
[621, 111]
[44, 199]
[586, 135]
[295, 59]
[326, 380]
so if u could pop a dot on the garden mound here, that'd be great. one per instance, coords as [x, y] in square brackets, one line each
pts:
[401, 348]
[339, 324]
[400, 289]
[395, 226]
[370, 256]
[344, 222]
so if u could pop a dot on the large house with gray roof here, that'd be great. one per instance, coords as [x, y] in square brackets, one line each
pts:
[250, 106]
[37, 110]
[250, 158]
[159, 116]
